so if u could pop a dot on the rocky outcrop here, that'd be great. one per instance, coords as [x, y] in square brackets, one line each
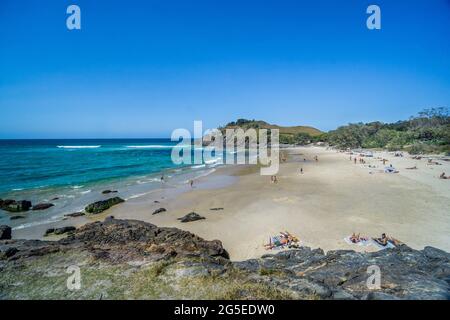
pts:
[5, 232]
[75, 214]
[193, 216]
[109, 191]
[122, 259]
[15, 206]
[42, 206]
[100, 206]
[159, 210]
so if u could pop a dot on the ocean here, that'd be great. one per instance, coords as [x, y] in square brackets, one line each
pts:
[73, 173]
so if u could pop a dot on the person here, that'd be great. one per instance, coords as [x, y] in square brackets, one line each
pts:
[355, 160]
[412, 168]
[316, 158]
[191, 183]
[275, 180]
[384, 161]
[383, 240]
[301, 170]
[443, 176]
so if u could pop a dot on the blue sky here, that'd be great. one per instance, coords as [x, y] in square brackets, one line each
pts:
[144, 68]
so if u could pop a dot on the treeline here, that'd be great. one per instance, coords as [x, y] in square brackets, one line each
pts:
[428, 132]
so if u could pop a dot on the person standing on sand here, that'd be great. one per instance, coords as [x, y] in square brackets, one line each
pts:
[301, 170]
[191, 183]
[355, 160]
[316, 158]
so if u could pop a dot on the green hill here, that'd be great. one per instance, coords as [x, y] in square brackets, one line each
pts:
[291, 135]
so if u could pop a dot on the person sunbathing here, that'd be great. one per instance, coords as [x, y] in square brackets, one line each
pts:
[356, 238]
[412, 168]
[383, 240]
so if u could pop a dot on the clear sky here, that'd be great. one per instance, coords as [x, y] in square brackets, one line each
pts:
[144, 68]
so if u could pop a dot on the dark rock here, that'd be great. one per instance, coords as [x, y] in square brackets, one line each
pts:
[54, 199]
[16, 206]
[75, 214]
[159, 210]
[8, 252]
[16, 217]
[103, 205]
[42, 206]
[109, 191]
[5, 232]
[64, 230]
[49, 231]
[191, 217]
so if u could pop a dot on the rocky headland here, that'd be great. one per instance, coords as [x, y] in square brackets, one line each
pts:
[129, 259]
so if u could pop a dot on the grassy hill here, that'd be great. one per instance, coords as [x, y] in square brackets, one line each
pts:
[290, 135]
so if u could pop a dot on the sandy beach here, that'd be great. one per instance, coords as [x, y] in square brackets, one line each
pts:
[333, 198]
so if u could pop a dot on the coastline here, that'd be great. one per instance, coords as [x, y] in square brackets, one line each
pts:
[332, 199]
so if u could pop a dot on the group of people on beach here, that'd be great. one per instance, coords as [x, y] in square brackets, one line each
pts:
[384, 240]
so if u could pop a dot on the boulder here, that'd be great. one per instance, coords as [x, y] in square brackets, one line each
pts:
[103, 205]
[49, 231]
[15, 206]
[64, 230]
[5, 232]
[109, 191]
[75, 214]
[159, 210]
[191, 217]
[16, 217]
[42, 206]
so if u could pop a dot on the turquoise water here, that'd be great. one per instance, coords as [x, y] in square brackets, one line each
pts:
[76, 171]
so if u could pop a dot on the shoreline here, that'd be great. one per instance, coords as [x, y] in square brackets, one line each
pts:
[331, 200]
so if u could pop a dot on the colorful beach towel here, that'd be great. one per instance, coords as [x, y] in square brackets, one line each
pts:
[361, 242]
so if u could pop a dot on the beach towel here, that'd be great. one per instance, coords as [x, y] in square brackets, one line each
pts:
[389, 245]
[362, 243]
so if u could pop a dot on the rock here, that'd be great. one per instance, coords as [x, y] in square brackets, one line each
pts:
[54, 199]
[75, 214]
[109, 191]
[42, 206]
[103, 205]
[5, 232]
[156, 201]
[131, 252]
[16, 217]
[191, 217]
[49, 231]
[64, 230]
[15, 206]
[159, 210]
[9, 252]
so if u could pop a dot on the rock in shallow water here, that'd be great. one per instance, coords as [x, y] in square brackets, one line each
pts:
[42, 206]
[15, 206]
[5, 232]
[100, 206]
[75, 214]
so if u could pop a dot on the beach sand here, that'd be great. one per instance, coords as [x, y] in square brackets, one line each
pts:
[332, 199]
